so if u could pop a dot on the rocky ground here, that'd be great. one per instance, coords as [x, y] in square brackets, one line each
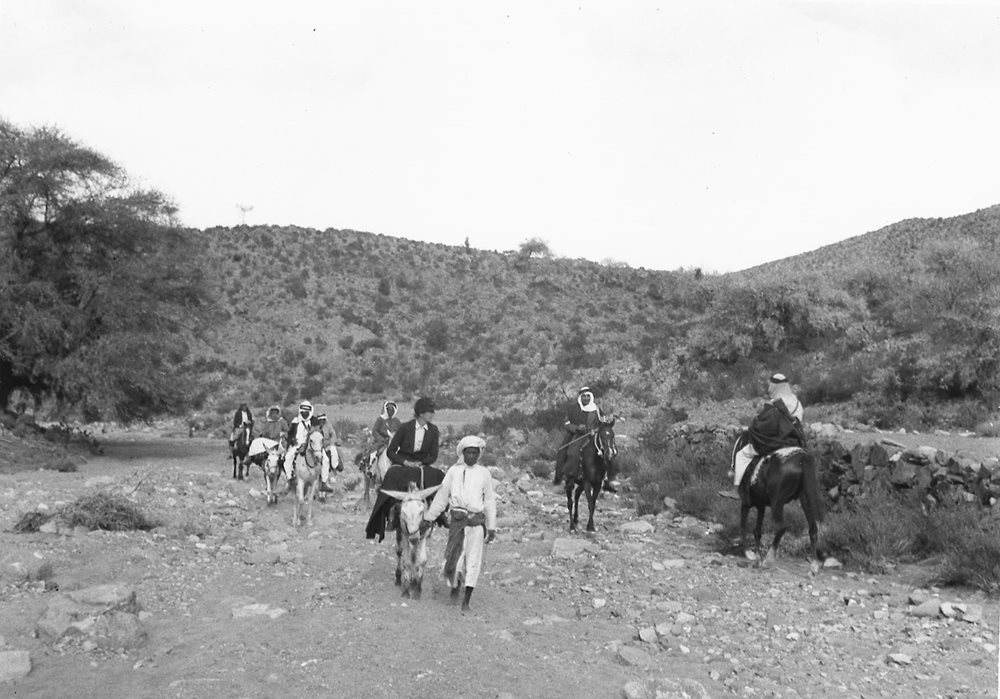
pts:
[227, 599]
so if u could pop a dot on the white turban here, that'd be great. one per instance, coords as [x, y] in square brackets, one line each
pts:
[470, 441]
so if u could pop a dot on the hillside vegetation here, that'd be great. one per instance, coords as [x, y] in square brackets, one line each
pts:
[895, 328]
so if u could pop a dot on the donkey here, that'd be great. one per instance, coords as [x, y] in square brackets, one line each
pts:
[411, 545]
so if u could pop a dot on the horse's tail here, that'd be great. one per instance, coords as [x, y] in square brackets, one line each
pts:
[810, 490]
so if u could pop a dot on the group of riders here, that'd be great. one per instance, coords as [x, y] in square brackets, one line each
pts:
[308, 430]
[777, 425]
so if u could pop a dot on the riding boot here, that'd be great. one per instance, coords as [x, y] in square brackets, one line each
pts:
[465, 602]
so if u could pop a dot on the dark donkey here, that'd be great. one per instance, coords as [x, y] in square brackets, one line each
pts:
[588, 475]
[777, 479]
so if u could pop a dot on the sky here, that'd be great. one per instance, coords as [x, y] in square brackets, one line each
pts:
[693, 134]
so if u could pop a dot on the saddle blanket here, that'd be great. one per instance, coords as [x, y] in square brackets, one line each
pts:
[260, 445]
[781, 454]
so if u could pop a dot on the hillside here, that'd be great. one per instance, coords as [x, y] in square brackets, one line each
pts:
[881, 319]
[895, 246]
[343, 313]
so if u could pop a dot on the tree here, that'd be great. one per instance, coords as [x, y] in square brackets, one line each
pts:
[534, 247]
[102, 292]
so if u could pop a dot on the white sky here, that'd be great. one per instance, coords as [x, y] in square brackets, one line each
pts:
[661, 134]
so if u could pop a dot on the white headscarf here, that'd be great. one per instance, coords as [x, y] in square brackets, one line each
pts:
[778, 389]
[470, 441]
[590, 407]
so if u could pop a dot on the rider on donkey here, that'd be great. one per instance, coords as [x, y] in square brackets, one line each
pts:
[298, 435]
[275, 426]
[581, 421]
[777, 425]
[412, 450]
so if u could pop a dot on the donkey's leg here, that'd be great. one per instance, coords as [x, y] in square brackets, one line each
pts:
[399, 556]
[419, 563]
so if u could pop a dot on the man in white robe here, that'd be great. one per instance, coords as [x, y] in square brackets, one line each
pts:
[467, 491]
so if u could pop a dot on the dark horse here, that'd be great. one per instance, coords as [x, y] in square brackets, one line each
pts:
[588, 476]
[782, 476]
[239, 450]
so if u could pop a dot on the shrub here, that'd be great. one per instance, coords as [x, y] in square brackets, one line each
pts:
[63, 465]
[104, 510]
[875, 532]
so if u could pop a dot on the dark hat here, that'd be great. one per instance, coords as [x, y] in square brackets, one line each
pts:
[423, 405]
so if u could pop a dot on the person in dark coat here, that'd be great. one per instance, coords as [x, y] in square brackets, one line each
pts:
[416, 441]
[243, 416]
[412, 450]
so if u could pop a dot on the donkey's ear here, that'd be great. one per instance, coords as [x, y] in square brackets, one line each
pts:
[398, 494]
[422, 494]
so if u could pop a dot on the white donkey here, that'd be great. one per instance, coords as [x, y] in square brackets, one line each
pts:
[411, 545]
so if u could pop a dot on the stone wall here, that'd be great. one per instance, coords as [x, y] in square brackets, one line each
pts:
[846, 472]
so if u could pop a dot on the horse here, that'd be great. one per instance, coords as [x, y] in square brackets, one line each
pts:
[307, 477]
[238, 449]
[411, 544]
[598, 451]
[778, 478]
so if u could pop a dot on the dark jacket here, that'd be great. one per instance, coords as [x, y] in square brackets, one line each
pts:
[399, 478]
[401, 447]
[774, 428]
[238, 418]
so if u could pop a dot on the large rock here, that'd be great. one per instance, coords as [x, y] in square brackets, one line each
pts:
[22, 566]
[108, 596]
[14, 664]
[638, 527]
[59, 617]
[565, 547]
[665, 688]
[117, 630]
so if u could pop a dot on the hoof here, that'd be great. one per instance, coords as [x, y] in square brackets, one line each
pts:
[415, 594]
[466, 607]
[591, 529]
[750, 555]
[814, 567]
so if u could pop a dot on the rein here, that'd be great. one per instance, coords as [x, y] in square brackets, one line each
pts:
[591, 433]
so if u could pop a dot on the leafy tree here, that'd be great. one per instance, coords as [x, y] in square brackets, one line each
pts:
[102, 292]
[534, 247]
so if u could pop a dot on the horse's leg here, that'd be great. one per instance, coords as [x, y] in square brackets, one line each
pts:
[310, 496]
[399, 556]
[758, 531]
[744, 516]
[577, 492]
[778, 515]
[592, 493]
[569, 504]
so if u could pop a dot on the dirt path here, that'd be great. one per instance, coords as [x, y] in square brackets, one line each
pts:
[238, 603]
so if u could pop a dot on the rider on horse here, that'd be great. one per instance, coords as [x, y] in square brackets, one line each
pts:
[243, 417]
[331, 457]
[777, 425]
[583, 417]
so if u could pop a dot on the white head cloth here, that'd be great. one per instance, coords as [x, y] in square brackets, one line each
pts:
[470, 441]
